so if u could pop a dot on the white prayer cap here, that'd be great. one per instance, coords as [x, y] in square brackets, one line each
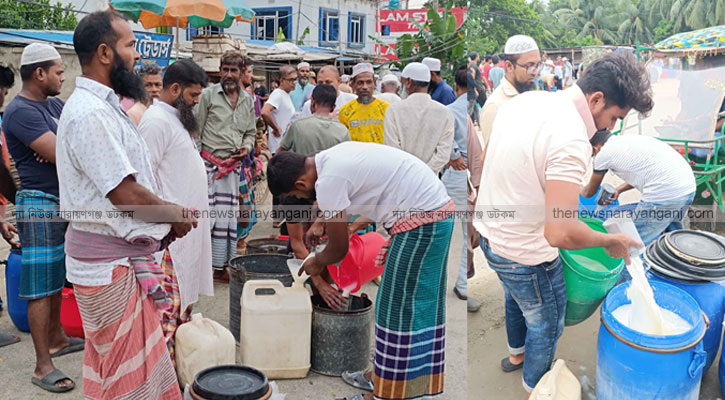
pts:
[361, 69]
[564, 59]
[303, 64]
[390, 78]
[345, 78]
[549, 62]
[417, 72]
[433, 64]
[519, 44]
[38, 52]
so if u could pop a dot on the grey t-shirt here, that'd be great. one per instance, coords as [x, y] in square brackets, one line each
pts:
[314, 133]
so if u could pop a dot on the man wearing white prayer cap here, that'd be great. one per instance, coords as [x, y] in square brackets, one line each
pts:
[418, 124]
[522, 62]
[439, 89]
[389, 86]
[303, 88]
[364, 116]
[30, 124]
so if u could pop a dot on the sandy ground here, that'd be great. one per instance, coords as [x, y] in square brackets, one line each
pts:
[487, 343]
[17, 361]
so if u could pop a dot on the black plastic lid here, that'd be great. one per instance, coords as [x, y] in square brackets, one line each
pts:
[666, 261]
[696, 247]
[231, 382]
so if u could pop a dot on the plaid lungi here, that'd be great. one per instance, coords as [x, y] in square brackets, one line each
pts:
[172, 317]
[224, 204]
[126, 355]
[410, 314]
[247, 207]
[42, 235]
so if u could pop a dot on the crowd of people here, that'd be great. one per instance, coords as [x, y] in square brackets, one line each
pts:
[141, 170]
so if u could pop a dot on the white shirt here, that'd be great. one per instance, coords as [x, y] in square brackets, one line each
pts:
[376, 181]
[97, 147]
[422, 127]
[342, 99]
[391, 98]
[180, 173]
[283, 111]
[654, 168]
[536, 136]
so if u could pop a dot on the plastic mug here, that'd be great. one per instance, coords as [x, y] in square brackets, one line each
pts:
[625, 225]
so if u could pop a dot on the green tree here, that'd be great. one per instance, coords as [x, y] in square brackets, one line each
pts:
[492, 22]
[20, 15]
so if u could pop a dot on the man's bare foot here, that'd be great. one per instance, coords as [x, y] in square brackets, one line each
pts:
[40, 373]
[516, 359]
[221, 276]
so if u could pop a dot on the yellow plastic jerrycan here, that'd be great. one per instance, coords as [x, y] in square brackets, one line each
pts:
[200, 344]
[558, 384]
[276, 328]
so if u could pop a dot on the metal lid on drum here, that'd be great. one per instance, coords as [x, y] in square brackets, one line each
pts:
[696, 247]
[231, 382]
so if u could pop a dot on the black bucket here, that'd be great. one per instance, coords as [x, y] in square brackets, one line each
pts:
[253, 267]
[266, 246]
[341, 340]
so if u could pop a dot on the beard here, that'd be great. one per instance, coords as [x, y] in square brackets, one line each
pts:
[522, 87]
[304, 81]
[126, 83]
[367, 99]
[186, 116]
[230, 86]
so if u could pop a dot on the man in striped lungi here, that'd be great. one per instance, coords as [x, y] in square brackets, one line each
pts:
[395, 188]
[103, 167]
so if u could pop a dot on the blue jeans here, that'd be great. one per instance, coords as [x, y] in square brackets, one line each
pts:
[654, 219]
[456, 183]
[535, 309]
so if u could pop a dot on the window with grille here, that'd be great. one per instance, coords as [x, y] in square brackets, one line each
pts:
[329, 27]
[356, 30]
[268, 22]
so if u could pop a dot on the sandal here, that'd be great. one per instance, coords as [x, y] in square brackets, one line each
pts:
[355, 397]
[357, 380]
[49, 382]
[508, 366]
[74, 344]
[7, 340]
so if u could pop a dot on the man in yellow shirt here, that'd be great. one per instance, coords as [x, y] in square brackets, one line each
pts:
[364, 117]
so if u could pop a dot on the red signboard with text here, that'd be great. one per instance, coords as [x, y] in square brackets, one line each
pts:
[394, 23]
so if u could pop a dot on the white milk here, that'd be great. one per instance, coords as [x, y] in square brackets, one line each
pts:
[643, 314]
[675, 324]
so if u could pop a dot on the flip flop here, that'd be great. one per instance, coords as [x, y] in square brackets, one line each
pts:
[357, 380]
[48, 382]
[74, 345]
[7, 340]
[508, 366]
[355, 397]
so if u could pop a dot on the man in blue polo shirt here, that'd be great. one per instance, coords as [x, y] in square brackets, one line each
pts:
[303, 89]
[440, 91]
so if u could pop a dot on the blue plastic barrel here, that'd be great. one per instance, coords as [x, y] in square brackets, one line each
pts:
[721, 373]
[709, 295]
[17, 307]
[635, 366]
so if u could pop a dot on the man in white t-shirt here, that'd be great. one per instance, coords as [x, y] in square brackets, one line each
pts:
[400, 191]
[331, 76]
[533, 170]
[655, 169]
[279, 109]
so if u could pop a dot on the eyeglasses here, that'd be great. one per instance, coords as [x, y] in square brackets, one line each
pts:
[530, 68]
[290, 79]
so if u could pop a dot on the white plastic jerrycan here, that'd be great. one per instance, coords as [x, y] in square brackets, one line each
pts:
[202, 343]
[558, 384]
[276, 329]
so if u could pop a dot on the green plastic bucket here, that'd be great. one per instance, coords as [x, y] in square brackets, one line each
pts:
[589, 274]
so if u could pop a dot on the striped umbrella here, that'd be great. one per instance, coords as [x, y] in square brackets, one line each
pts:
[154, 13]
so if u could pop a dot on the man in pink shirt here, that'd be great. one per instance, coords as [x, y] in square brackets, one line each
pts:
[533, 171]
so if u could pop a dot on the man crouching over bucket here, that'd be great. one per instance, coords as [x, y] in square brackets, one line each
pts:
[395, 188]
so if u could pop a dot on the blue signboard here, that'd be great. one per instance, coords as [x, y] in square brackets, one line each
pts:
[154, 47]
